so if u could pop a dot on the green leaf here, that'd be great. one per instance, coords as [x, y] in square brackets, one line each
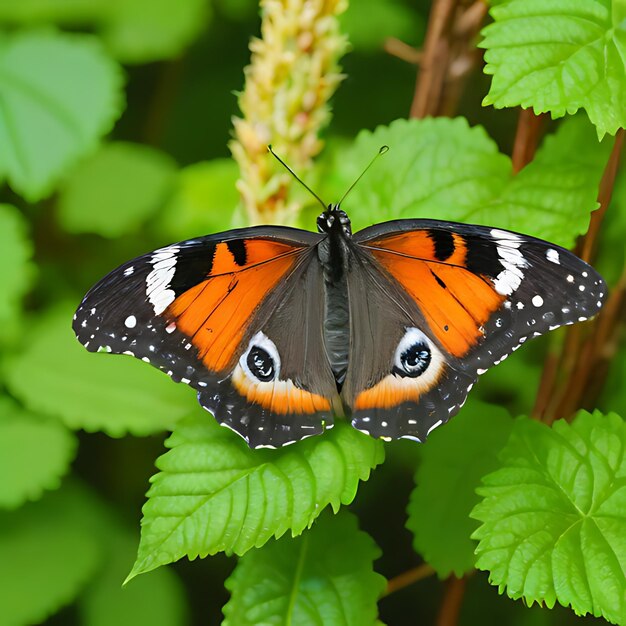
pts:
[60, 93]
[157, 599]
[114, 191]
[54, 375]
[559, 56]
[443, 169]
[203, 202]
[501, 385]
[454, 459]
[554, 515]
[325, 576]
[556, 192]
[392, 19]
[16, 269]
[135, 31]
[48, 551]
[215, 494]
[34, 454]
[68, 12]
[437, 168]
[139, 31]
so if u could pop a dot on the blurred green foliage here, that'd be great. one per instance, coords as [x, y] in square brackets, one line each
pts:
[114, 124]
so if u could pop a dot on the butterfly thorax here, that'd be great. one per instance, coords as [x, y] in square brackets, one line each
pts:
[334, 220]
[334, 256]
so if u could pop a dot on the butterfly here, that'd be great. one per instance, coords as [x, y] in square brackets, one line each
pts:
[281, 330]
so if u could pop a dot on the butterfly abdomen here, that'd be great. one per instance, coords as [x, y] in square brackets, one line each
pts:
[333, 254]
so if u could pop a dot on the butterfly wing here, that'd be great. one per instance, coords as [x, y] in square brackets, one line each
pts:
[446, 301]
[236, 316]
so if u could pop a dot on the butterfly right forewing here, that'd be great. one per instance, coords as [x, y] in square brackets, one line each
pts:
[465, 297]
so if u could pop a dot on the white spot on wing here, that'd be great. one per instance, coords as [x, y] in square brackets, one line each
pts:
[435, 425]
[511, 238]
[130, 321]
[553, 256]
[537, 300]
[159, 279]
[510, 278]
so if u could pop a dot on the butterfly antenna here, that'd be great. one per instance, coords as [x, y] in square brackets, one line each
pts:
[324, 205]
[382, 150]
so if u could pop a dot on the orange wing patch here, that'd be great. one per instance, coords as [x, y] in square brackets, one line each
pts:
[238, 254]
[454, 301]
[215, 313]
[394, 389]
[280, 396]
[419, 244]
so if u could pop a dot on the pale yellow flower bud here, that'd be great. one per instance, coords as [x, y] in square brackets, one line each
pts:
[293, 73]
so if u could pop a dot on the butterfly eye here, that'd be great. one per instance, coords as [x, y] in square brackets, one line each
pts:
[416, 359]
[413, 354]
[261, 364]
[261, 361]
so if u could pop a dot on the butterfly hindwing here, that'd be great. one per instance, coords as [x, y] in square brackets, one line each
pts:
[191, 309]
[477, 294]
[282, 388]
[386, 401]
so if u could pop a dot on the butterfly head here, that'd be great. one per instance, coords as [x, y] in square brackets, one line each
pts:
[334, 220]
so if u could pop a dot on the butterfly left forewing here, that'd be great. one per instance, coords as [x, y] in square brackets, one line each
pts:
[478, 294]
[192, 309]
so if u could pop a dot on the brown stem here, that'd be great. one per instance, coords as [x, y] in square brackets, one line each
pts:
[609, 331]
[452, 600]
[567, 363]
[433, 65]
[595, 353]
[471, 19]
[529, 130]
[464, 56]
[604, 198]
[408, 578]
[546, 386]
[399, 49]
[570, 398]
[583, 353]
